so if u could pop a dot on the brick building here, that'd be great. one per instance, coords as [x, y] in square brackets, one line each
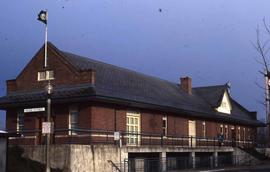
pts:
[92, 100]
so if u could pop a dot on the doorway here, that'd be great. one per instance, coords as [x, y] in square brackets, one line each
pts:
[192, 132]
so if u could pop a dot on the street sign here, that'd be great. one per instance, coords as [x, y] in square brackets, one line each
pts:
[31, 110]
[47, 127]
[116, 135]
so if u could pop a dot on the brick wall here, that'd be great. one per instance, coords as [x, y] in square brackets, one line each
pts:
[177, 126]
[98, 116]
[64, 73]
[151, 122]
[11, 119]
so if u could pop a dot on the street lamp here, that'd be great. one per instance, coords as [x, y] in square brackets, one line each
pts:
[49, 89]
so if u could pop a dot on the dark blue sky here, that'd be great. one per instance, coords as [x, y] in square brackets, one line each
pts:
[209, 40]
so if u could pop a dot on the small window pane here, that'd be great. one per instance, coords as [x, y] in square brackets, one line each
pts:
[50, 74]
[73, 123]
[136, 120]
[41, 76]
[164, 123]
[20, 121]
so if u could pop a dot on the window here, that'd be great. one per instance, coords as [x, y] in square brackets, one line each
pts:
[204, 129]
[239, 133]
[225, 106]
[164, 125]
[20, 121]
[244, 134]
[73, 120]
[49, 75]
[226, 135]
[133, 128]
[45, 75]
[249, 134]
[41, 76]
[221, 129]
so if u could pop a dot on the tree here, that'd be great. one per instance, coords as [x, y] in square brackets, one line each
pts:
[262, 46]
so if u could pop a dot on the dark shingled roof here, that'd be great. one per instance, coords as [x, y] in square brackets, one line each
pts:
[212, 94]
[61, 92]
[118, 83]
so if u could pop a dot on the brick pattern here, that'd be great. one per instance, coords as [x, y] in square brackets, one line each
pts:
[151, 122]
[177, 126]
[64, 73]
[107, 117]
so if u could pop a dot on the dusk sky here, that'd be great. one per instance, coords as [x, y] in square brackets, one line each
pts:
[208, 40]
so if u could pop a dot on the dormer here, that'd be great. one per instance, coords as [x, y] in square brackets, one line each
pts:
[218, 97]
[225, 104]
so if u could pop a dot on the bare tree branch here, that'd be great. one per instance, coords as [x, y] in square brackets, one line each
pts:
[265, 26]
[260, 49]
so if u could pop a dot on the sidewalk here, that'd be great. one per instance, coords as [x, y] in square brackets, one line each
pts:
[264, 166]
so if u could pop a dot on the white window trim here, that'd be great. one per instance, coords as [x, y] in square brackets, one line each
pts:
[222, 129]
[18, 122]
[47, 74]
[73, 108]
[239, 133]
[225, 105]
[39, 76]
[135, 115]
[165, 118]
[244, 134]
[226, 132]
[204, 129]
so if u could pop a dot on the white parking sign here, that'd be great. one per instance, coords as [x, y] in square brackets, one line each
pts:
[116, 136]
[47, 128]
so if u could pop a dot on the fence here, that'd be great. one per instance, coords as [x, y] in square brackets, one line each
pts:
[86, 136]
[182, 163]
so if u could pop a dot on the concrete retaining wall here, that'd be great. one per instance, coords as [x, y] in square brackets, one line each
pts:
[76, 158]
[94, 158]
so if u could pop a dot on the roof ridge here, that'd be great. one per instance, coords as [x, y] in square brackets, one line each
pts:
[211, 86]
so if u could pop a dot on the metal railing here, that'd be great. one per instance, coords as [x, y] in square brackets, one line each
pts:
[114, 166]
[86, 136]
[183, 163]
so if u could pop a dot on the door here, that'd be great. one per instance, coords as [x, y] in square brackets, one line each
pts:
[192, 133]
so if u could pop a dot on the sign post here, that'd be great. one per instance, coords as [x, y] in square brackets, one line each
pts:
[47, 128]
[117, 137]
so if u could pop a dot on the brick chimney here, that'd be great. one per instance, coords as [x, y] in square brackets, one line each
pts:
[11, 85]
[186, 84]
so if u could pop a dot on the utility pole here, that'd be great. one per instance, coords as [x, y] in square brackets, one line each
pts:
[48, 141]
